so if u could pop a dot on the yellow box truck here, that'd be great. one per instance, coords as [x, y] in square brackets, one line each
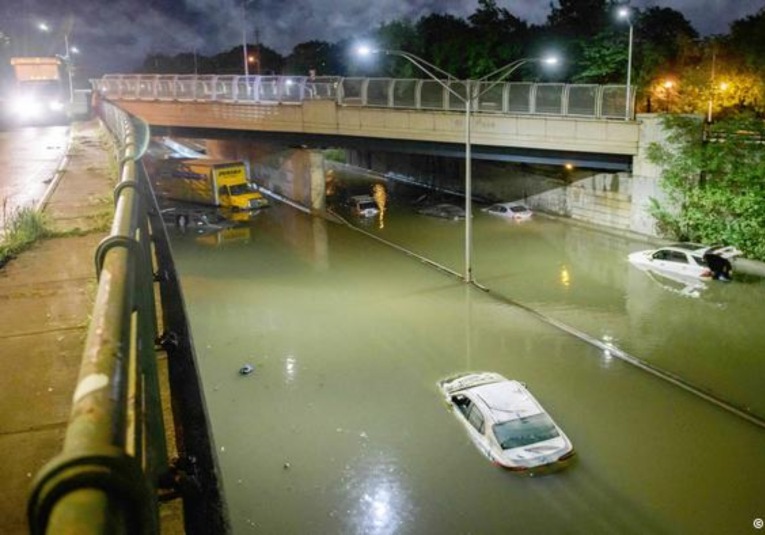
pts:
[220, 183]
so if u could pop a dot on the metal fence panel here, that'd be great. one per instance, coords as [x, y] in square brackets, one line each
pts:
[165, 87]
[519, 97]
[431, 95]
[292, 89]
[323, 87]
[490, 96]
[185, 90]
[582, 100]
[613, 103]
[377, 91]
[404, 93]
[146, 87]
[352, 91]
[268, 88]
[549, 99]
[129, 87]
[456, 102]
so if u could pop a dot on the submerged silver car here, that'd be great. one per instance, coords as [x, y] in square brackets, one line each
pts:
[505, 422]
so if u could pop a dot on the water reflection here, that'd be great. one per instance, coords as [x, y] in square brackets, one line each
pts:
[683, 286]
[381, 199]
[380, 503]
[290, 369]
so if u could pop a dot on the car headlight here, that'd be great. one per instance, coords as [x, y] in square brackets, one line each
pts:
[56, 105]
[26, 107]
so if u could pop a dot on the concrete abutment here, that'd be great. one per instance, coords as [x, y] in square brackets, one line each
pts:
[617, 200]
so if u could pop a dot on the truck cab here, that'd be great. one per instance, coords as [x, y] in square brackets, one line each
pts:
[241, 196]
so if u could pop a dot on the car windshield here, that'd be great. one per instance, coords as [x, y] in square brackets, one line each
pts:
[519, 209]
[525, 431]
[240, 189]
[367, 206]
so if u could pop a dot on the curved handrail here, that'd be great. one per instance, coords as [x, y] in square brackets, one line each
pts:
[107, 477]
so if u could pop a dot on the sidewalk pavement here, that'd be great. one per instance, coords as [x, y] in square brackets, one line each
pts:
[47, 297]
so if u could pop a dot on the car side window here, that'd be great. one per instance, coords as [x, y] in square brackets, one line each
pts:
[463, 404]
[660, 255]
[676, 256]
[476, 418]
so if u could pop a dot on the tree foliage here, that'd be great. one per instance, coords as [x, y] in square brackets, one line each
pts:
[727, 71]
[715, 186]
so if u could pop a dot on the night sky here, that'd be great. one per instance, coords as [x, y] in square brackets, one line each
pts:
[116, 35]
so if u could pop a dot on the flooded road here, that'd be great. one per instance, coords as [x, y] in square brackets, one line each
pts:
[341, 428]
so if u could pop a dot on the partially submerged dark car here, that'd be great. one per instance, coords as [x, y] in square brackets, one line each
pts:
[443, 210]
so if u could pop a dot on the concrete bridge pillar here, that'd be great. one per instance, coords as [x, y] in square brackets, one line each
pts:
[295, 173]
[646, 176]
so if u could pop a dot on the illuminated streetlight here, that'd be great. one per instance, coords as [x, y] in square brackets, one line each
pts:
[626, 13]
[668, 85]
[470, 98]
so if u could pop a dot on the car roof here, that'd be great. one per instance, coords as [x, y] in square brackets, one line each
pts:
[509, 203]
[506, 400]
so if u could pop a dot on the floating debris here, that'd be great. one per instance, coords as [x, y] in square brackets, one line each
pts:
[286, 466]
[247, 369]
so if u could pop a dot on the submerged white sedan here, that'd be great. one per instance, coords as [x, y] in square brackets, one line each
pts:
[515, 210]
[685, 259]
[505, 422]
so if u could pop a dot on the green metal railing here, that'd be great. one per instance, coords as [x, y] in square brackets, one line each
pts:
[114, 463]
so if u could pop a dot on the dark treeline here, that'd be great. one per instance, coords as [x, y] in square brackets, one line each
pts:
[673, 68]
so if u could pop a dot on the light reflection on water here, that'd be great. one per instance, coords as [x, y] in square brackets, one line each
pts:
[341, 429]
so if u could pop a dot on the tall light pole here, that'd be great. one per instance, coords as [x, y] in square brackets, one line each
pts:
[626, 13]
[470, 98]
[67, 58]
[244, 39]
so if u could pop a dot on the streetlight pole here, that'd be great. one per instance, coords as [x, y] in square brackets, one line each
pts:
[67, 59]
[471, 96]
[69, 68]
[244, 39]
[625, 13]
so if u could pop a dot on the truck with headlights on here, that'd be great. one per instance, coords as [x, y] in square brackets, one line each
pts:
[38, 94]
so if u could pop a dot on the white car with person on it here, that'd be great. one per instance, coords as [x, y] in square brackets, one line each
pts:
[691, 260]
[506, 423]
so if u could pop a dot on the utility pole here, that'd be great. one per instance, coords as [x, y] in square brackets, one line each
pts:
[244, 38]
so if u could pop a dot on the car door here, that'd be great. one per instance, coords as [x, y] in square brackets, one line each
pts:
[475, 423]
[669, 260]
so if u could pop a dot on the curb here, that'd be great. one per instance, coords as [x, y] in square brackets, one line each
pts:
[57, 175]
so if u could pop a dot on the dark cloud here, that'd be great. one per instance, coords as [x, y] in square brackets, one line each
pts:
[115, 35]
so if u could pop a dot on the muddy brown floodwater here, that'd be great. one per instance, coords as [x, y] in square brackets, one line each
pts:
[341, 429]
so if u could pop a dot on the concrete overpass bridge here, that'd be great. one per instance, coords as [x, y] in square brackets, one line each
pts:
[582, 125]
[276, 123]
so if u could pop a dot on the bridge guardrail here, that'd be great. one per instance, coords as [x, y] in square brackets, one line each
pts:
[114, 451]
[516, 98]
[114, 462]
